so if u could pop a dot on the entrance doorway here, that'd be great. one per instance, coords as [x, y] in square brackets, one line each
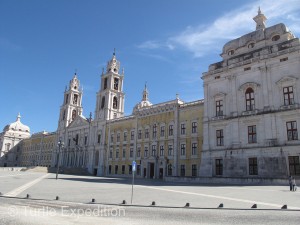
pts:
[95, 172]
[151, 170]
[161, 173]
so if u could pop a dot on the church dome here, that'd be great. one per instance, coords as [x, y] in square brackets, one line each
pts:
[17, 126]
[144, 103]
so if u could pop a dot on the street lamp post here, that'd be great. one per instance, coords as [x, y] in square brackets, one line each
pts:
[60, 145]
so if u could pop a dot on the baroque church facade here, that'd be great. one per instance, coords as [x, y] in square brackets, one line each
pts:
[164, 139]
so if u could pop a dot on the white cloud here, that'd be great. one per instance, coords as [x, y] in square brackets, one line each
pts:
[206, 38]
[156, 45]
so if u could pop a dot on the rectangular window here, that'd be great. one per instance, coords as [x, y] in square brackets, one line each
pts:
[194, 170]
[219, 167]
[182, 170]
[85, 140]
[194, 148]
[194, 127]
[110, 154]
[112, 138]
[220, 137]
[219, 108]
[288, 95]
[123, 169]
[182, 149]
[140, 134]
[69, 142]
[161, 150]
[253, 166]
[170, 150]
[118, 137]
[292, 132]
[182, 130]
[109, 169]
[138, 170]
[153, 150]
[170, 130]
[130, 169]
[7, 147]
[116, 169]
[132, 135]
[124, 153]
[138, 154]
[146, 152]
[131, 153]
[125, 136]
[252, 134]
[170, 170]
[154, 131]
[117, 153]
[294, 165]
[146, 133]
[99, 138]
[162, 131]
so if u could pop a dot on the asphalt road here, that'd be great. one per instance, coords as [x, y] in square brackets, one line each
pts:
[76, 193]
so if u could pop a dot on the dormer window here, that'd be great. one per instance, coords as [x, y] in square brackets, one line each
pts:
[231, 52]
[276, 37]
[251, 45]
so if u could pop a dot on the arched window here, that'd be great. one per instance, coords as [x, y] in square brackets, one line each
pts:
[73, 114]
[102, 102]
[75, 99]
[115, 103]
[249, 95]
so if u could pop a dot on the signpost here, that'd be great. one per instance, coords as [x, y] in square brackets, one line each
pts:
[133, 170]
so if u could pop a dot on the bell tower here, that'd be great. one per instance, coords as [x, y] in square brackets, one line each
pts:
[110, 98]
[71, 106]
[260, 20]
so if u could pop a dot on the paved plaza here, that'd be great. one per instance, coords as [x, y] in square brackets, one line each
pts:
[170, 199]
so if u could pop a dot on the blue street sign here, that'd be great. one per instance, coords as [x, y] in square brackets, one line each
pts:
[133, 165]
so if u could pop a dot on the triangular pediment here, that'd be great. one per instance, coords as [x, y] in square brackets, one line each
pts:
[79, 121]
[286, 79]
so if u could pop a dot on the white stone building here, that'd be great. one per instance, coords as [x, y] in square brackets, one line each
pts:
[10, 137]
[251, 108]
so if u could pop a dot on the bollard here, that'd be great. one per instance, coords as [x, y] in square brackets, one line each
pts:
[124, 202]
[93, 200]
[284, 207]
[221, 205]
[27, 196]
[57, 198]
[153, 203]
[187, 204]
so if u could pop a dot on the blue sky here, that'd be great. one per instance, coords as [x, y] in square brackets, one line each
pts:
[166, 43]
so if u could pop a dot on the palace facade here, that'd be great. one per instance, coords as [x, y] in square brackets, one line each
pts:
[251, 108]
[164, 139]
[246, 126]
